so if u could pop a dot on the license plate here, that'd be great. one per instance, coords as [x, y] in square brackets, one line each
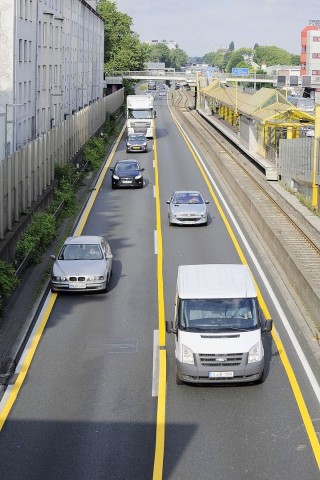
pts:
[136, 148]
[77, 285]
[127, 181]
[220, 374]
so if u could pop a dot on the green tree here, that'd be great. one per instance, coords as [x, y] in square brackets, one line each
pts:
[231, 47]
[238, 56]
[178, 58]
[272, 56]
[123, 50]
[159, 53]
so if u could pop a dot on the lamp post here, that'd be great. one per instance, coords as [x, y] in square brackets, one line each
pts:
[315, 157]
[6, 121]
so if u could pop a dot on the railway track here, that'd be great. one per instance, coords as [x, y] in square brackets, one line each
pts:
[294, 242]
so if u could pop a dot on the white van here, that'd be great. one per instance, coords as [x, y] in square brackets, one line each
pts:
[217, 325]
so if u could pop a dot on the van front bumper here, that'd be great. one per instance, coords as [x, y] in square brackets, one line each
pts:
[241, 374]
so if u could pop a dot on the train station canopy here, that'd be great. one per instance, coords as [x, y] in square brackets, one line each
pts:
[265, 105]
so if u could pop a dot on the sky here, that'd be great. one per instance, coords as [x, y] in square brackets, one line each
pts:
[200, 27]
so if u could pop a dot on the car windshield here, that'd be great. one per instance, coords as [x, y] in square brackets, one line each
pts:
[140, 113]
[212, 315]
[187, 198]
[81, 252]
[135, 137]
[126, 167]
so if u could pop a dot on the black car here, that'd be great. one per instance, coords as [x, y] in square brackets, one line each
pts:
[127, 173]
[136, 142]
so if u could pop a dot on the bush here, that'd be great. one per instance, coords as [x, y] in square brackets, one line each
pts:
[94, 152]
[8, 280]
[37, 237]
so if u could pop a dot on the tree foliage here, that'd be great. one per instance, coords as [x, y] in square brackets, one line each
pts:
[122, 48]
[238, 57]
[274, 56]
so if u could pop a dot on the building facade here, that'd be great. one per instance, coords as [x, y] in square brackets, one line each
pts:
[51, 65]
[310, 51]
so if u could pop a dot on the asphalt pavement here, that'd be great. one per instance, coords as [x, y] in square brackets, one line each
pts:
[22, 307]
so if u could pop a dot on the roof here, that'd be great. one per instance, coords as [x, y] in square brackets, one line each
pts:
[215, 281]
[85, 239]
[264, 104]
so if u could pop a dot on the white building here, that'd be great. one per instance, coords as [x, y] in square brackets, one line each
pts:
[51, 65]
[171, 44]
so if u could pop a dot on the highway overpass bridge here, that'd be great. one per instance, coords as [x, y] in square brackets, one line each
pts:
[191, 77]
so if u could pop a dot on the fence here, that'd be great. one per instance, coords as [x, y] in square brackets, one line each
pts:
[295, 164]
[26, 174]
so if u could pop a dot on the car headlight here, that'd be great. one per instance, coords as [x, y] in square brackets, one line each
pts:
[187, 355]
[138, 177]
[115, 177]
[100, 277]
[255, 353]
[59, 279]
[129, 144]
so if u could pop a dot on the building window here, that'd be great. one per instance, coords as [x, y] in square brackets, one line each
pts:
[21, 8]
[316, 39]
[20, 50]
[44, 76]
[30, 50]
[25, 50]
[316, 55]
[315, 72]
[44, 34]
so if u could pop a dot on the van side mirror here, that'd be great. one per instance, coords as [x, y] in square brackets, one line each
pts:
[169, 327]
[168, 202]
[267, 326]
[155, 114]
[206, 202]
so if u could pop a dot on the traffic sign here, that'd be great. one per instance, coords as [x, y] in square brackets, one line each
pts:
[240, 71]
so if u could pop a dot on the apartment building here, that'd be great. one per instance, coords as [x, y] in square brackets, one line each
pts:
[310, 51]
[51, 65]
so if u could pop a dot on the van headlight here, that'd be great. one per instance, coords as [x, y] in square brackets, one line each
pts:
[115, 177]
[137, 177]
[187, 355]
[255, 353]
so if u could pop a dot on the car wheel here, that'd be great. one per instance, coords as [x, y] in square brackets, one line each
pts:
[178, 379]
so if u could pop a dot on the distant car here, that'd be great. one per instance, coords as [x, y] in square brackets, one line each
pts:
[84, 263]
[127, 173]
[162, 93]
[187, 207]
[136, 142]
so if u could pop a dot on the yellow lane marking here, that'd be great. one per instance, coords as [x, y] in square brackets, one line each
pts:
[282, 353]
[27, 361]
[161, 406]
[52, 299]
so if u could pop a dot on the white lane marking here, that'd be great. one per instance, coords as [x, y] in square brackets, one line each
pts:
[313, 381]
[154, 164]
[154, 191]
[155, 242]
[155, 370]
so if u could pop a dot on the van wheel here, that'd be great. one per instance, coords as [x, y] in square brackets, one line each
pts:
[178, 379]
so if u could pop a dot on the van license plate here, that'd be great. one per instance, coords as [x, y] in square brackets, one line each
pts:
[220, 374]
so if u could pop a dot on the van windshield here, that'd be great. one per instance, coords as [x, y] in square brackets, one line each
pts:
[211, 315]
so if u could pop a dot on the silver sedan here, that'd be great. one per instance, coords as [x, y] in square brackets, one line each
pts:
[84, 263]
[187, 207]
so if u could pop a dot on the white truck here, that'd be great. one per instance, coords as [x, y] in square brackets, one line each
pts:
[218, 325]
[140, 115]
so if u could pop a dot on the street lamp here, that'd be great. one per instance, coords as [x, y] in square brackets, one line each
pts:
[6, 121]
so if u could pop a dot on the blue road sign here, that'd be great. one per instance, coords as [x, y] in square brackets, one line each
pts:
[240, 71]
